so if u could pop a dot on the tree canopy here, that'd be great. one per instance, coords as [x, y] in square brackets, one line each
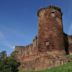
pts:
[8, 63]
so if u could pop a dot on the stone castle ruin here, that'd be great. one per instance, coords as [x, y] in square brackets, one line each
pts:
[50, 45]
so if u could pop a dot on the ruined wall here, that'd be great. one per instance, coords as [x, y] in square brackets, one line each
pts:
[48, 48]
[43, 61]
[50, 29]
[70, 43]
[25, 51]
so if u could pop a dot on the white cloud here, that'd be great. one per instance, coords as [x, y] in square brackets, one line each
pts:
[4, 41]
[70, 30]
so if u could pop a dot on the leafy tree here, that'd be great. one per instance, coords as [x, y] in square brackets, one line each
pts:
[8, 63]
[3, 55]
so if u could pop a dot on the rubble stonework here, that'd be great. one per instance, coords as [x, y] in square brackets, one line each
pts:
[50, 30]
[49, 46]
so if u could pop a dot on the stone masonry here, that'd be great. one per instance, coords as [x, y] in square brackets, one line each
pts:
[50, 46]
[50, 32]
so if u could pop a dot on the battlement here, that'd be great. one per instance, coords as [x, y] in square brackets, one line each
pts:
[48, 8]
[27, 50]
[54, 7]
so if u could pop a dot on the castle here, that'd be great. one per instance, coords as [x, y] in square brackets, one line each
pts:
[49, 46]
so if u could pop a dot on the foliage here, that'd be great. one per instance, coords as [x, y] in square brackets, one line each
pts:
[8, 63]
[3, 55]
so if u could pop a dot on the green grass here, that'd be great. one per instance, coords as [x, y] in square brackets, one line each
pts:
[64, 68]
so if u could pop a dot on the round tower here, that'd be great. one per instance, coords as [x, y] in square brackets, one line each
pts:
[50, 29]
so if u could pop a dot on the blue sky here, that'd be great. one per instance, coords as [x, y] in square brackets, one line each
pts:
[19, 22]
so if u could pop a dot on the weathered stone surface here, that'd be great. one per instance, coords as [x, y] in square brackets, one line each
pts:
[50, 30]
[42, 61]
[49, 47]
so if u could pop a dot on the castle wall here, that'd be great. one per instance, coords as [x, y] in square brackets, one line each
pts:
[35, 42]
[50, 30]
[70, 43]
[25, 51]
[48, 48]
[43, 61]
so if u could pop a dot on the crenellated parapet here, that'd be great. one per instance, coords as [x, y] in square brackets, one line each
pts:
[35, 42]
[49, 7]
[28, 50]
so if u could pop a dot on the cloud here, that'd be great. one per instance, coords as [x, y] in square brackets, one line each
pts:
[70, 29]
[4, 41]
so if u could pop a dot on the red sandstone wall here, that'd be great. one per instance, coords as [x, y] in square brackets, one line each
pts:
[25, 51]
[50, 30]
[50, 38]
[70, 43]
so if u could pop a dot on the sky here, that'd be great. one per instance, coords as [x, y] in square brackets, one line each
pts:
[19, 21]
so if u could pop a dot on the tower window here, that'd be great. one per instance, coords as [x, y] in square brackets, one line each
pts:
[53, 11]
[53, 14]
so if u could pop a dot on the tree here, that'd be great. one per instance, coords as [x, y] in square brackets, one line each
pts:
[8, 63]
[3, 55]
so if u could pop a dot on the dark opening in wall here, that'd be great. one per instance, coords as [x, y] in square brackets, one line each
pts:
[66, 44]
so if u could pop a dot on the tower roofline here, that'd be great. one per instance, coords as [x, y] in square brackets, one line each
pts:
[49, 7]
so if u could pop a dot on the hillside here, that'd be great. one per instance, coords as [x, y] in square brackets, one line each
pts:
[67, 67]
[64, 68]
